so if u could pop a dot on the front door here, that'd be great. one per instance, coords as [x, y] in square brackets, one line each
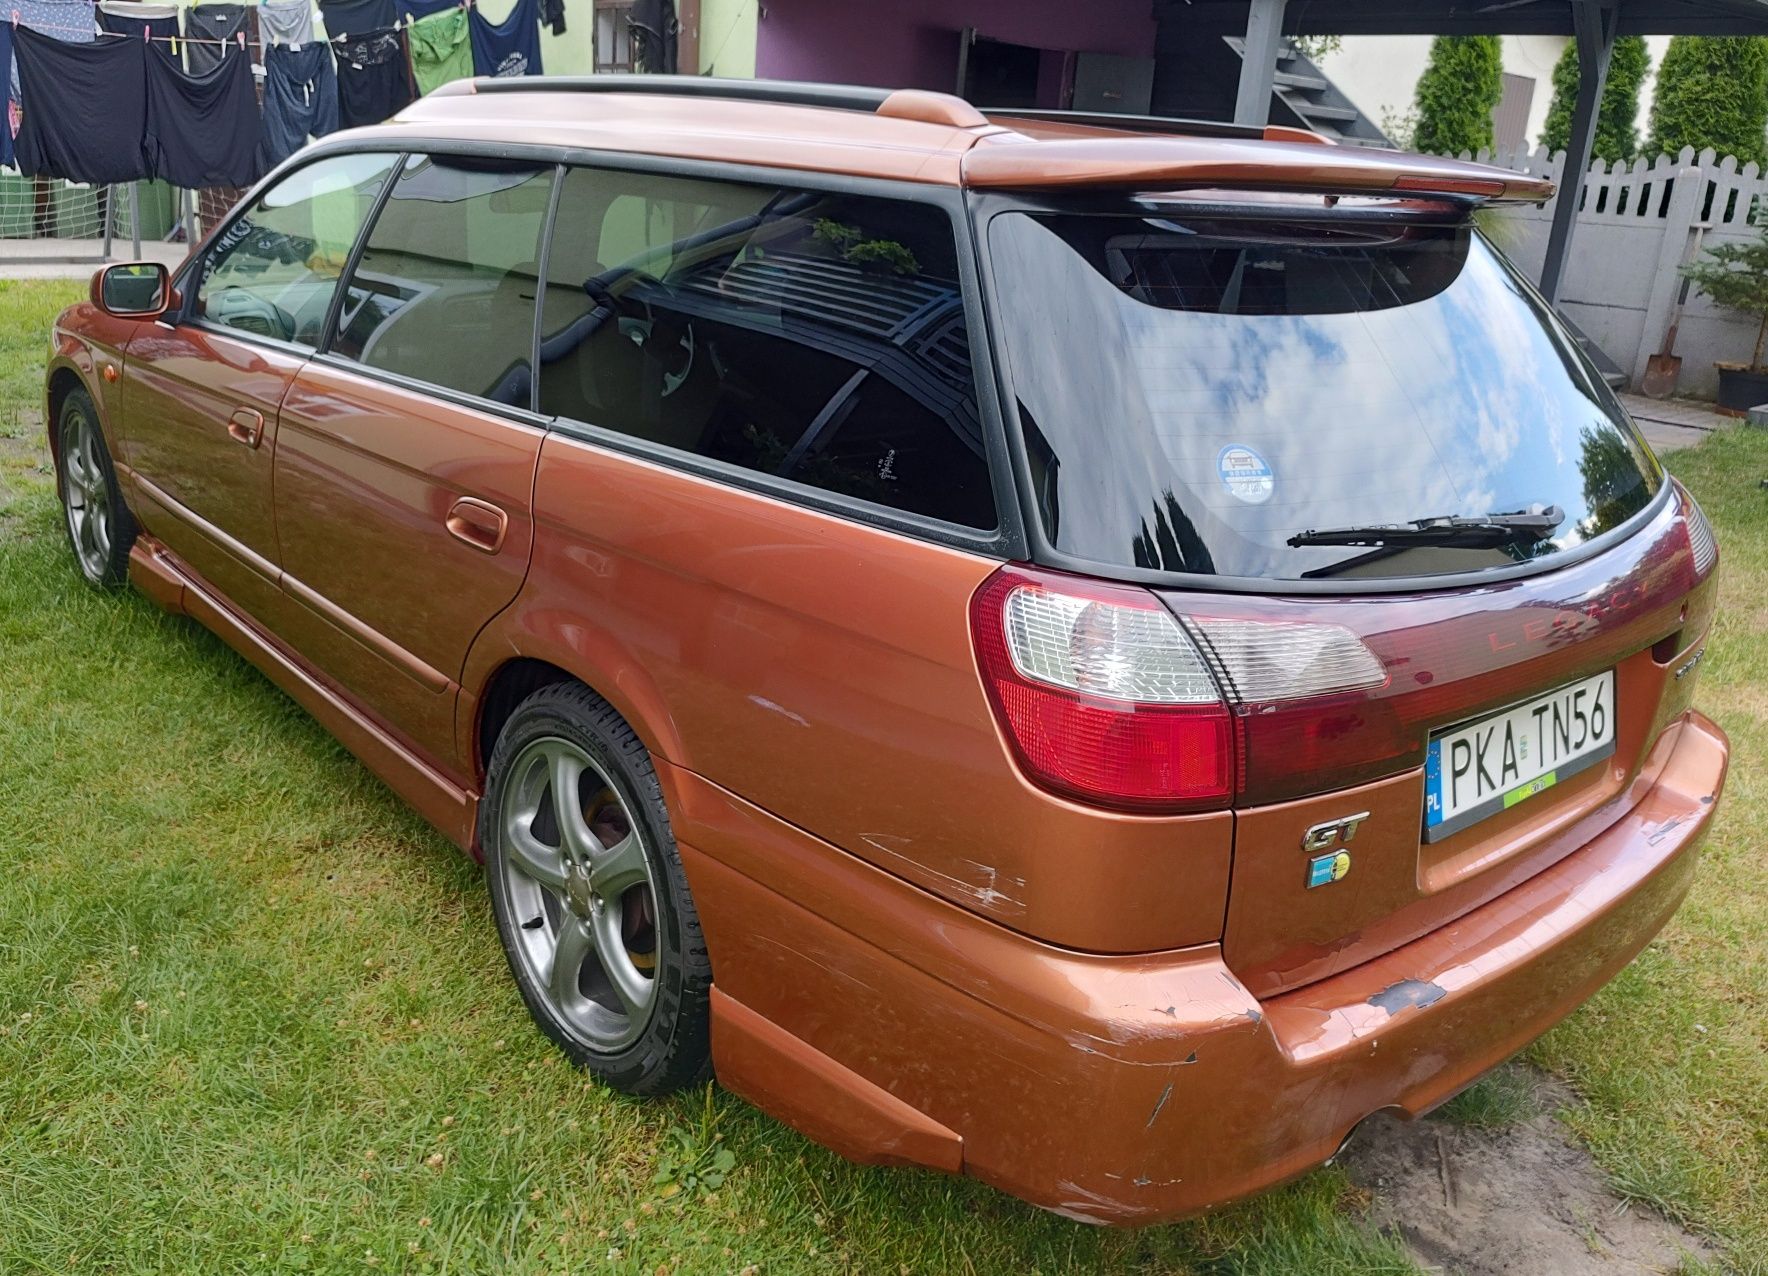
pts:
[205, 387]
[406, 457]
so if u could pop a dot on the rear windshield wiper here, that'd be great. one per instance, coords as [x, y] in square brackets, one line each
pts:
[1455, 531]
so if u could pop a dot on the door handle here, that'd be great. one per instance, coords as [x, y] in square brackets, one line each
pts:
[478, 524]
[246, 426]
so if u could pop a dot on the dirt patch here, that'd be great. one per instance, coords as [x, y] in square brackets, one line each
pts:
[1518, 1201]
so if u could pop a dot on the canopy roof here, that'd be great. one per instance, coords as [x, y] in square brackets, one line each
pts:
[1497, 17]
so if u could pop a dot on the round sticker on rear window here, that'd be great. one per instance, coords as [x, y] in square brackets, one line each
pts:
[1245, 474]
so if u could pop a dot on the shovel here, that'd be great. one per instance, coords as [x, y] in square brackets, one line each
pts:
[1663, 368]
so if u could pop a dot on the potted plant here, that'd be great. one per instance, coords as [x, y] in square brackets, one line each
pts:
[1735, 275]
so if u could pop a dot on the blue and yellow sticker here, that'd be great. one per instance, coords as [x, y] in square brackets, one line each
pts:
[1326, 869]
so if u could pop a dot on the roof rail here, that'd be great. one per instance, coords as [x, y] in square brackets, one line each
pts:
[845, 97]
[1129, 123]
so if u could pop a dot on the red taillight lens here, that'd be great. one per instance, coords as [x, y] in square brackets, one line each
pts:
[1101, 694]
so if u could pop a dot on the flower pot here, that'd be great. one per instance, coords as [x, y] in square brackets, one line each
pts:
[1741, 388]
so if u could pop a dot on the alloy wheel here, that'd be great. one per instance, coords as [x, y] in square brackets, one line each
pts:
[580, 884]
[86, 495]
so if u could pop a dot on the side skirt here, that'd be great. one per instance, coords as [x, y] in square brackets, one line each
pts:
[452, 809]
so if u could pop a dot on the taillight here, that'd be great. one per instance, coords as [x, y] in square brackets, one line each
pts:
[1101, 694]
[1701, 544]
[1106, 696]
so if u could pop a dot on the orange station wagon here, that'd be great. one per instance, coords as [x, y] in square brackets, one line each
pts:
[1093, 654]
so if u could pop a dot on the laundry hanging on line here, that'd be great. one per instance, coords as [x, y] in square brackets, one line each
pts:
[510, 47]
[285, 22]
[300, 99]
[222, 23]
[441, 49]
[85, 107]
[129, 17]
[122, 108]
[202, 128]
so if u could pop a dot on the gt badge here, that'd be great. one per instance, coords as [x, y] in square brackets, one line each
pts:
[1333, 865]
[1326, 869]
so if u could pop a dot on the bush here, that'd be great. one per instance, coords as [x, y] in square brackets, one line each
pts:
[1617, 134]
[1456, 94]
[1735, 275]
[1713, 91]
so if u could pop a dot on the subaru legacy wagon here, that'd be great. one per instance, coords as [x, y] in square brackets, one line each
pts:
[1092, 654]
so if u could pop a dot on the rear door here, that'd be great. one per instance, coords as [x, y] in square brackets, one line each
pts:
[203, 392]
[406, 459]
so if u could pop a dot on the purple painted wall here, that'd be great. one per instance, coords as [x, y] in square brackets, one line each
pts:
[914, 43]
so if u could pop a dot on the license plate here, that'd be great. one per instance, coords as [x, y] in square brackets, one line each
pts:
[1484, 767]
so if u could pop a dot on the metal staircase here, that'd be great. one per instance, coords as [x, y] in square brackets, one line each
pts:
[1314, 100]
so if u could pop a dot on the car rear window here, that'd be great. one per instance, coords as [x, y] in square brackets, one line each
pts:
[1196, 391]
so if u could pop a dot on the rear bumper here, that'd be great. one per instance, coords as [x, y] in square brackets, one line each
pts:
[897, 1028]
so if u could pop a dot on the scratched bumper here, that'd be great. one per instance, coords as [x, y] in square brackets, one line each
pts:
[897, 1028]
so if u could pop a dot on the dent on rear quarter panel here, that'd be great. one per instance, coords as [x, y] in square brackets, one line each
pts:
[822, 669]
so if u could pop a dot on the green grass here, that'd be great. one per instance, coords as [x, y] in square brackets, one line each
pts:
[253, 1015]
[1495, 1102]
[28, 309]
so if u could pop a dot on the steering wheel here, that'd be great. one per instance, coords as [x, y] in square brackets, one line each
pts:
[233, 304]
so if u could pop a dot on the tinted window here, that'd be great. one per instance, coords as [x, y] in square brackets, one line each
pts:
[444, 291]
[273, 271]
[811, 336]
[1196, 392]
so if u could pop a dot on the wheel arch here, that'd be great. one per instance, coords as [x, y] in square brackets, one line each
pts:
[62, 381]
[518, 671]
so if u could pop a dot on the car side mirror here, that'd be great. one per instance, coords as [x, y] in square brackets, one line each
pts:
[134, 290]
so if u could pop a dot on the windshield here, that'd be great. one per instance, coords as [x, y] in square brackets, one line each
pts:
[1195, 392]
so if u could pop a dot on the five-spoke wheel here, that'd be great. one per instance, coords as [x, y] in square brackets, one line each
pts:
[588, 891]
[98, 525]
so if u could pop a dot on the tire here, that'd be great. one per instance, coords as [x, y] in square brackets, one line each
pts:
[641, 1022]
[99, 526]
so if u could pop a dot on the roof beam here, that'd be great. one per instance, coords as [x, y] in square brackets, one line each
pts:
[1595, 23]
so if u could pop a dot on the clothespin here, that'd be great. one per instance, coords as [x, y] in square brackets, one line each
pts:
[15, 19]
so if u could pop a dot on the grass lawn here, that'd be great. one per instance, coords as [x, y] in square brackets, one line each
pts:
[253, 1014]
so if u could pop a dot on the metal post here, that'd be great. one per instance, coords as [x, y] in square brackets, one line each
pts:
[1594, 23]
[135, 218]
[1258, 66]
[109, 204]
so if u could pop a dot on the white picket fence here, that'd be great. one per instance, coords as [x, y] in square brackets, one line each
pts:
[1638, 224]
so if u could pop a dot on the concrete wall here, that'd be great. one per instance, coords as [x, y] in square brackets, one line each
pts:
[1637, 226]
[1380, 72]
[914, 43]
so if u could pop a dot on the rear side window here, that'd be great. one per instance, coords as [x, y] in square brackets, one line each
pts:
[815, 337]
[445, 288]
[1229, 396]
[274, 269]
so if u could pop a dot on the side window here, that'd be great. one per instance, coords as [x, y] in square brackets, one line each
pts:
[273, 271]
[444, 290]
[814, 336]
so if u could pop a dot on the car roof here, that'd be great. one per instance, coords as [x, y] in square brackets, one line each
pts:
[920, 136]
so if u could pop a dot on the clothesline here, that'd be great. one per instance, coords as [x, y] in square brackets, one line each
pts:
[238, 38]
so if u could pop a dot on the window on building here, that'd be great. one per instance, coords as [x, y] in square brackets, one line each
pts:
[445, 288]
[815, 337]
[613, 35]
[273, 271]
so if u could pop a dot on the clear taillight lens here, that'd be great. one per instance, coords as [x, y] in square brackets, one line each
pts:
[1102, 695]
[1700, 535]
[1105, 696]
[1259, 661]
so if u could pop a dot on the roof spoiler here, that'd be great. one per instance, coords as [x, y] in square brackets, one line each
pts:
[1172, 163]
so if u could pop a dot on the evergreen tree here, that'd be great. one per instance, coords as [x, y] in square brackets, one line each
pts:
[1713, 91]
[1617, 133]
[1457, 92]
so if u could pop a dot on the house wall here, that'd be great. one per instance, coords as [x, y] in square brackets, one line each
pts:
[727, 37]
[1380, 72]
[914, 43]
